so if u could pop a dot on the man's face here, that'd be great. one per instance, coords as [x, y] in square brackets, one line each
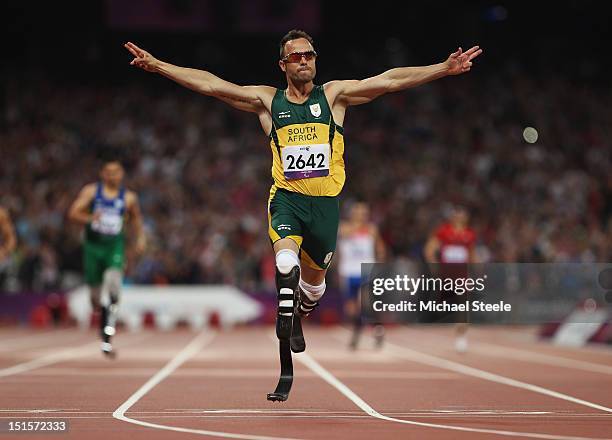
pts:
[112, 174]
[305, 69]
[460, 217]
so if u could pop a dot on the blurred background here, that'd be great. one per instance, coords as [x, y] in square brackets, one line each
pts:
[202, 169]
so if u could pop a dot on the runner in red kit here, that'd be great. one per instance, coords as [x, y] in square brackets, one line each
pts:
[452, 245]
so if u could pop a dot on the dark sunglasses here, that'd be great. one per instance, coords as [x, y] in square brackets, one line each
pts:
[296, 57]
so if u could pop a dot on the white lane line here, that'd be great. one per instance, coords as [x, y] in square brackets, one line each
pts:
[297, 412]
[190, 350]
[238, 372]
[314, 416]
[438, 362]
[21, 350]
[30, 340]
[540, 358]
[464, 411]
[442, 363]
[64, 355]
[49, 359]
[528, 355]
[40, 410]
[314, 366]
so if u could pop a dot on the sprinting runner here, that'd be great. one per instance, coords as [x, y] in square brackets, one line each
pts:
[452, 245]
[359, 243]
[304, 125]
[103, 208]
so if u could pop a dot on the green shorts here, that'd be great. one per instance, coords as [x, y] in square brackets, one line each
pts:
[310, 221]
[99, 256]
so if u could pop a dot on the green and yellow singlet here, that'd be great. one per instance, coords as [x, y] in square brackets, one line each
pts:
[307, 146]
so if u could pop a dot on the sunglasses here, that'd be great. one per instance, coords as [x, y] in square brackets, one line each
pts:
[296, 57]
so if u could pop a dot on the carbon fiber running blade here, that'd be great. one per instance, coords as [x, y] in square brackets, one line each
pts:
[298, 344]
[281, 393]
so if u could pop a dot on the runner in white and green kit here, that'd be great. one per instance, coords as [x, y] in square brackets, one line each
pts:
[103, 207]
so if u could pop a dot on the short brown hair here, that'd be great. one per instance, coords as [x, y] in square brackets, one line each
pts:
[294, 34]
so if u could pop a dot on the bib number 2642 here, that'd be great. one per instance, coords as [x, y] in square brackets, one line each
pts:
[305, 161]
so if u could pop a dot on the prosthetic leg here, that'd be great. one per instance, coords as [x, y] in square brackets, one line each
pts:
[108, 317]
[288, 296]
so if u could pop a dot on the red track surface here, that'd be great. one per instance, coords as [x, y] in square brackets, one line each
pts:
[219, 383]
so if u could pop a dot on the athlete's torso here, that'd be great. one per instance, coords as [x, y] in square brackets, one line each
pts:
[307, 146]
[357, 247]
[455, 244]
[111, 211]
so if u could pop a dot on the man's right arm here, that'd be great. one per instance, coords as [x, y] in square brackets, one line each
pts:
[248, 98]
[79, 211]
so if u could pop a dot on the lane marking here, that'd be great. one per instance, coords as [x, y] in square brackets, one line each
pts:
[236, 372]
[29, 340]
[541, 358]
[442, 363]
[64, 355]
[40, 410]
[512, 335]
[479, 419]
[49, 359]
[314, 366]
[531, 356]
[438, 362]
[200, 341]
[58, 413]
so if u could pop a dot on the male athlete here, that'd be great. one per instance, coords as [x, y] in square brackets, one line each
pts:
[304, 125]
[452, 246]
[359, 243]
[103, 209]
[7, 235]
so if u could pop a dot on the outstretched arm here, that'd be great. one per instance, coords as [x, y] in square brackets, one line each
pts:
[355, 92]
[247, 98]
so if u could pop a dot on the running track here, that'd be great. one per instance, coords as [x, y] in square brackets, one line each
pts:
[214, 383]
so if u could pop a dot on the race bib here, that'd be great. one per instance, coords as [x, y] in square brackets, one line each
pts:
[454, 254]
[305, 161]
[109, 223]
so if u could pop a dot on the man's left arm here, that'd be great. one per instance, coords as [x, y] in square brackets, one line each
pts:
[355, 92]
[135, 219]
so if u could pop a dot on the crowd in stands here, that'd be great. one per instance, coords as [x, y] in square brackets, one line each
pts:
[202, 173]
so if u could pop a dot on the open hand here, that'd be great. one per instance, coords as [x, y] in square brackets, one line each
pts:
[143, 59]
[460, 62]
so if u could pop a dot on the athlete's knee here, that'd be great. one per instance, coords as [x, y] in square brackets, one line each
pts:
[313, 292]
[112, 283]
[287, 271]
[286, 260]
